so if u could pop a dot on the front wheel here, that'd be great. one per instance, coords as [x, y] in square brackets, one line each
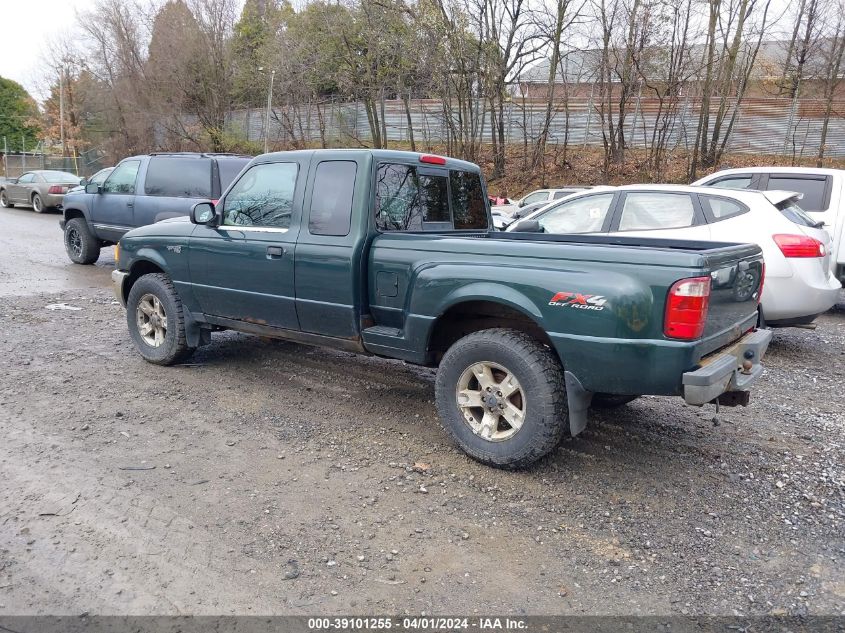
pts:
[37, 204]
[81, 246]
[156, 320]
[4, 200]
[501, 395]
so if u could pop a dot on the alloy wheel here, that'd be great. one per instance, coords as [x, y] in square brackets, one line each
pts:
[151, 320]
[491, 400]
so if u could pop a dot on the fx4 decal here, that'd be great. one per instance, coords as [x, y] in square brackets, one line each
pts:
[578, 301]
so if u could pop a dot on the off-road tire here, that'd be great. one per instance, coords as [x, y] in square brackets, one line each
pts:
[175, 348]
[87, 249]
[610, 400]
[4, 200]
[538, 371]
[38, 206]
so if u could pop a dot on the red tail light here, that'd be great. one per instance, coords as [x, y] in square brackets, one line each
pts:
[432, 160]
[56, 189]
[799, 245]
[686, 308]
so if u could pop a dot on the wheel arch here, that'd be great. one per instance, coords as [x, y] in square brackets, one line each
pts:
[470, 314]
[138, 269]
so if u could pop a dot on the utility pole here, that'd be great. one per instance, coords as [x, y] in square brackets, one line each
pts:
[5, 158]
[23, 151]
[62, 107]
[267, 114]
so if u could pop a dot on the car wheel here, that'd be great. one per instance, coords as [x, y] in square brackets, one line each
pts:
[156, 320]
[37, 203]
[4, 201]
[610, 400]
[81, 246]
[501, 396]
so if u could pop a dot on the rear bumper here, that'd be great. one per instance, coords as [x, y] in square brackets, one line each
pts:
[799, 296]
[118, 278]
[734, 369]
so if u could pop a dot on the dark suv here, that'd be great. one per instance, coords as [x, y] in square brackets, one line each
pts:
[142, 190]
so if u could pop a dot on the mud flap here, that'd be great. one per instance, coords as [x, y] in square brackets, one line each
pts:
[195, 335]
[578, 400]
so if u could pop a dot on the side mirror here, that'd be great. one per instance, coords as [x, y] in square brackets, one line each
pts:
[521, 203]
[529, 226]
[92, 187]
[83, 182]
[203, 213]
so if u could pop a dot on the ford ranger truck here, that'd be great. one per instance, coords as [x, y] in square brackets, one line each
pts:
[393, 254]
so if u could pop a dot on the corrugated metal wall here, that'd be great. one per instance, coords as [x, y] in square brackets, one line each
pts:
[762, 125]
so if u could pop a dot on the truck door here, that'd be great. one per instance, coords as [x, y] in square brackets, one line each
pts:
[112, 209]
[244, 268]
[329, 268]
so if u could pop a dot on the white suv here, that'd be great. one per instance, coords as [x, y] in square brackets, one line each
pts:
[823, 196]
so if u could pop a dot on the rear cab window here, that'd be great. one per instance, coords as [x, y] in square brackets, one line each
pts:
[178, 177]
[332, 197]
[423, 198]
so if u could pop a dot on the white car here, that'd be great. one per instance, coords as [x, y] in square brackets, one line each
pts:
[799, 284]
[823, 196]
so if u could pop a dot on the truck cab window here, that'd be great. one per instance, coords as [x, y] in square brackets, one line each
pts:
[262, 197]
[469, 208]
[122, 179]
[331, 202]
[178, 177]
[405, 199]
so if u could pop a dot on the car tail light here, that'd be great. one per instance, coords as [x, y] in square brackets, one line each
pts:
[799, 245]
[686, 308]
[56, 189]
[432, 160]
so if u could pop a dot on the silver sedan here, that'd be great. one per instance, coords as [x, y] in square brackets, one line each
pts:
[41, 189]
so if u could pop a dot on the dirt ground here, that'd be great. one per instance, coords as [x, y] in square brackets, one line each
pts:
[272, 478]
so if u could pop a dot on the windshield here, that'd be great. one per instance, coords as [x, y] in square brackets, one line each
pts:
[795, 214]
[59, 176]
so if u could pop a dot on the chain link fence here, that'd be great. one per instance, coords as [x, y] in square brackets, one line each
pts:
[15, 165]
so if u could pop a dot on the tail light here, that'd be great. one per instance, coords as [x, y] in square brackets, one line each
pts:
[56, 189]
[799, 245]
[686, 308]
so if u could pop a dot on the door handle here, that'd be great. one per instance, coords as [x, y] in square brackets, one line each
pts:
[275, 252]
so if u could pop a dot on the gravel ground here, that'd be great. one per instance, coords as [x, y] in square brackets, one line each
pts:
[267, 477]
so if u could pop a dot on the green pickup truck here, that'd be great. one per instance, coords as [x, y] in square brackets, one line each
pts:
[393, 254]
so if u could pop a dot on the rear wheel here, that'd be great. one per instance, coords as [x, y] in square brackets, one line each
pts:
[81, 246]
[156, 320]
[37, 203]
[4, 200]
[501, 395]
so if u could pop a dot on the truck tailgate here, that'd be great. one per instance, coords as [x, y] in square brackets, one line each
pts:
[736, 279]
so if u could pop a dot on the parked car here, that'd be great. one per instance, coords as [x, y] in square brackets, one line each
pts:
[547, 195]
[98, 178]
[41, 189]
[823, 196]
[391, 253]
[142, 190]
[799, 284]
[502, 220]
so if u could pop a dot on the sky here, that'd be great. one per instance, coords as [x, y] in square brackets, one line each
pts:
[26, 29]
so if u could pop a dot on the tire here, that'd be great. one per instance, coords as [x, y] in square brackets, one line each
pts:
[610, 400]
[156, 291]
[541, 397]
[80, 245]
[4, 201]
[37, 204]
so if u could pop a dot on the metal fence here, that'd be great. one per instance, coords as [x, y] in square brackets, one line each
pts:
[762, 126]
[14, 165]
